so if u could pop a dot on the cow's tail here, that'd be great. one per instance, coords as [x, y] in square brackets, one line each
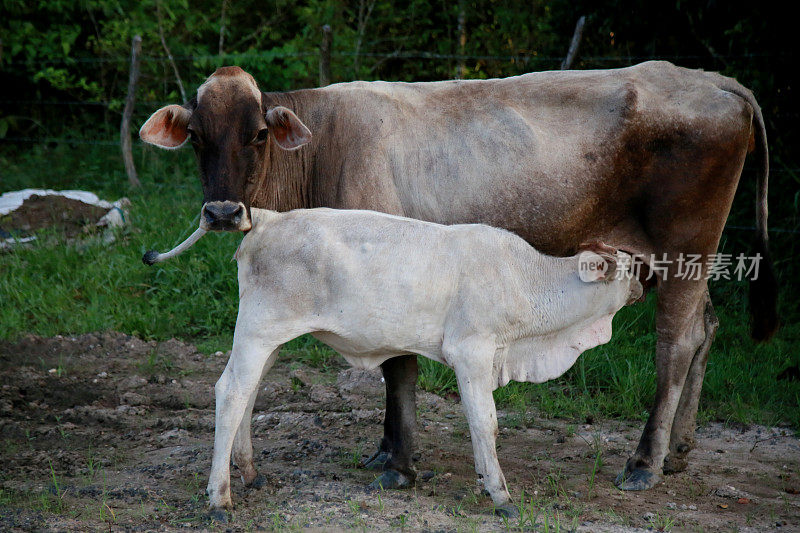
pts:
[152, 257]
[764, 287]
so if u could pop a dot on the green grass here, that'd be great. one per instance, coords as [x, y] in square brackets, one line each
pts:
[50, 289]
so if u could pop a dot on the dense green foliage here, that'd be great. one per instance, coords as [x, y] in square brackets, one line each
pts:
[78, 51]
[64, 71]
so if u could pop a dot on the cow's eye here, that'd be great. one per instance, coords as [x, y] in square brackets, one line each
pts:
[261, 137]
[193, 136]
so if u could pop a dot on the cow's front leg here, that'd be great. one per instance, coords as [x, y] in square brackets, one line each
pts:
[400, 425]
[250, 358]
[242, 443]
[681, 332]
[473, 366]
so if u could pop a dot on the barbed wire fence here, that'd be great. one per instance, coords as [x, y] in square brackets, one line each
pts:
[521, 59]
[115, 106]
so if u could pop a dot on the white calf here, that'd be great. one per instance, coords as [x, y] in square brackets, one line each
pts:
[477, 299]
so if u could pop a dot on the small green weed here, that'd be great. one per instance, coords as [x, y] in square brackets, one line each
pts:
[662, 522]
[352, 458]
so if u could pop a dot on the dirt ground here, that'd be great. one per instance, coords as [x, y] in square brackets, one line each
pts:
[107, 431]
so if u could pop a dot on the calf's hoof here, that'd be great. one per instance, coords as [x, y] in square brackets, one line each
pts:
[507, 510]
[377, 461]
[636, 479]
[391, 479]
[218, 515]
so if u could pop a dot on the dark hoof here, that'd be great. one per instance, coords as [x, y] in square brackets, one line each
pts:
[391, 479]
[218, 515]
[674, 464]
[508, 511]
[637, 479]
[258, 482]
[377, 461]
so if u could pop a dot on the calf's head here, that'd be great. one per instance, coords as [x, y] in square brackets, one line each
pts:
[599, 262]
[231, 129]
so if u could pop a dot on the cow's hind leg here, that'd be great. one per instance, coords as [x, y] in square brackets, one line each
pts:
[249, 359]
[683, 427]
[242, 443]
[681, 332]
[398, 443]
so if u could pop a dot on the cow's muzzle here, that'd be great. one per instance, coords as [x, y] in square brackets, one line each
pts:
[225, 216]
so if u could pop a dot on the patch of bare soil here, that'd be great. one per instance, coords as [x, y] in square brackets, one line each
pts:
[65, 215]
[107, 431]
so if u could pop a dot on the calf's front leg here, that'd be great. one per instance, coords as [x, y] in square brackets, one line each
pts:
[475, 384]
[250, 358]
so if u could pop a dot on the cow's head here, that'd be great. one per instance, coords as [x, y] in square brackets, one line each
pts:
[230, 129]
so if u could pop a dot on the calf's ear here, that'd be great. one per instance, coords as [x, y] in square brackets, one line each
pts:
[597, 262]
[289, 131]
[167, 127]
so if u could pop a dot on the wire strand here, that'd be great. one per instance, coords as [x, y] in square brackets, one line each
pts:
[381, 55]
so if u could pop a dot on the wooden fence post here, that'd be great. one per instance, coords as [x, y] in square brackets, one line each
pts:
[169, 53]
[124, 129]
[325, 56]
[573, 46]
[462, 39]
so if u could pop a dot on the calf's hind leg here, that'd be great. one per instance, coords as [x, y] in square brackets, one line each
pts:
[249, 359]
[242, 444]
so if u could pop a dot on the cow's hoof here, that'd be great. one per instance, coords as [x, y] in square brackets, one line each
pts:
[675, 463]
[508, 511]
[391, 479]
[218, 515]
[636, 479]
[377, 461]
[258, 482]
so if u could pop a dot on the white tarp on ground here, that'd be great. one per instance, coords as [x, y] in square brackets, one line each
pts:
[12, 200]
[116, 215]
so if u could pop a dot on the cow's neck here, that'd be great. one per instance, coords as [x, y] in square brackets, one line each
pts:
[286, 183]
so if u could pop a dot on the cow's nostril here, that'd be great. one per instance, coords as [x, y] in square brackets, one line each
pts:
[211, 213]
[238, 212]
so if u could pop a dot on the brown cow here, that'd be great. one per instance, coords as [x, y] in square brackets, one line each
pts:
[645, 158]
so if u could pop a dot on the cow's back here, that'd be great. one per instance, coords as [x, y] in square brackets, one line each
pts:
[550, 156]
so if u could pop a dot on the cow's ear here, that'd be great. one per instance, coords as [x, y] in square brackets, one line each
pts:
[597, 262]
[167, 127]
[289, 131]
